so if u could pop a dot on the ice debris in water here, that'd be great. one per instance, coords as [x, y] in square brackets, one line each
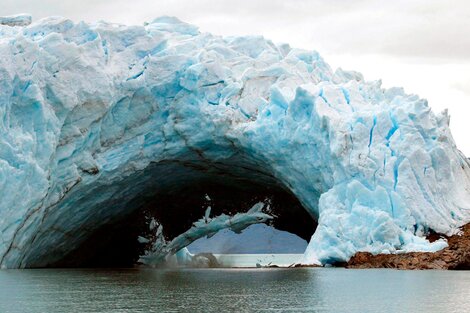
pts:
[161, 249]
[93, 116]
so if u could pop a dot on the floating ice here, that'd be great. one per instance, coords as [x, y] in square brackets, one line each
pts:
[94, 117]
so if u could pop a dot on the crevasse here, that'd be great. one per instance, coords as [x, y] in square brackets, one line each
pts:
[93, 117]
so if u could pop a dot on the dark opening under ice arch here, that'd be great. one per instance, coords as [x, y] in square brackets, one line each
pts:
[95, 120]
[98, 225]
[181, 197]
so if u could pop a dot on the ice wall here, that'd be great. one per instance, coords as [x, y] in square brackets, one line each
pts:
[94, 116]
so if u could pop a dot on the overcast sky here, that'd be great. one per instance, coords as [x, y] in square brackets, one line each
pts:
[422, 45]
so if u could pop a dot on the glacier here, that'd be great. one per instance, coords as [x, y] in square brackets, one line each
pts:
[255, 239]
[96, 117]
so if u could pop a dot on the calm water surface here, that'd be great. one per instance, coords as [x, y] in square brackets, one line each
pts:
[233, 290]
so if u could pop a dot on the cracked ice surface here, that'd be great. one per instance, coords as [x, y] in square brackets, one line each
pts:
[94, 116]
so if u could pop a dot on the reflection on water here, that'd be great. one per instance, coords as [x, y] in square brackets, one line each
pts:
[233, 290]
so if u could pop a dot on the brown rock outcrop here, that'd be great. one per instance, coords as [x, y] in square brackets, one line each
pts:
[456, 256]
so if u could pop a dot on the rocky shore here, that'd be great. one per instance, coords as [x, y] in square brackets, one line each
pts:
[455, 257]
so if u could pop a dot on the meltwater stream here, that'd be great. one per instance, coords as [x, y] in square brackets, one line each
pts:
[233, 290]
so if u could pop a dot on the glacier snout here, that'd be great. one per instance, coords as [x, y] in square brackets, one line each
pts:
[94, 119]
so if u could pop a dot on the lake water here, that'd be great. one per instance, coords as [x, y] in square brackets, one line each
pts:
[259, 259]
[233, 290]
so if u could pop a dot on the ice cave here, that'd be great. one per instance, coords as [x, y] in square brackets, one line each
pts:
[106, 128]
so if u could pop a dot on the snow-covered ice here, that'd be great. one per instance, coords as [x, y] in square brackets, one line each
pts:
[93, 116]
[16, 20]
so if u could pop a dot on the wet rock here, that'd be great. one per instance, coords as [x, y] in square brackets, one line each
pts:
[455, 257]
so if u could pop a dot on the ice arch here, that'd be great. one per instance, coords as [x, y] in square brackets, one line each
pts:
[95, 117]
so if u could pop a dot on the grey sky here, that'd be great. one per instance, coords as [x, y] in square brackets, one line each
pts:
[423, 45]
